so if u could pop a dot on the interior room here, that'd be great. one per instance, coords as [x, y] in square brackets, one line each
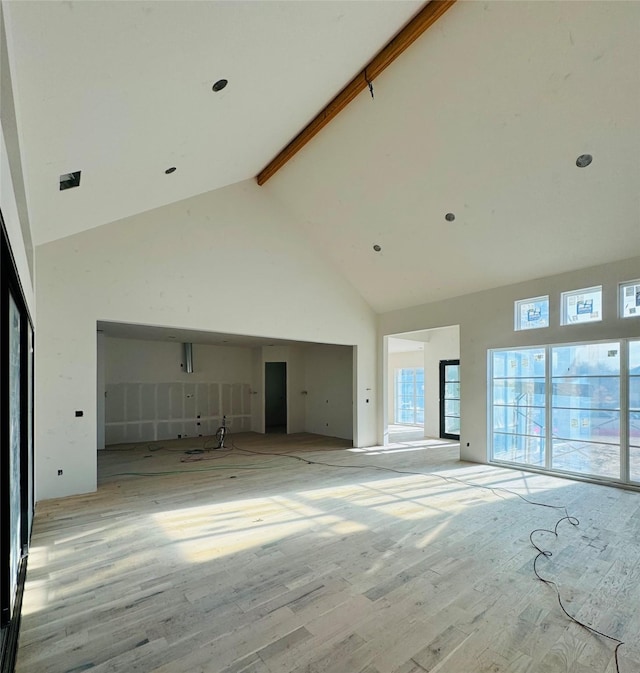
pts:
[319, 336]
[423, 384]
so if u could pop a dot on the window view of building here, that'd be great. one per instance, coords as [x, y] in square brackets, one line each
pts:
[532, 313]
[630, 299]
[559, 407]
[580, 306]
[409, 396]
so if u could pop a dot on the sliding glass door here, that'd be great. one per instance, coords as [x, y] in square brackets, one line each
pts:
[634, 411]
[15, 494]
[585, 409]
[16, 447]
[571, 408]
[518, 402]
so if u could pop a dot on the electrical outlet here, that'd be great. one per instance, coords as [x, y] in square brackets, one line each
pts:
[59, 473]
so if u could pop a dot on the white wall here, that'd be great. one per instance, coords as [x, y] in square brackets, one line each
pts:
[444, 344]
[13, 202]
[486, 321]
[329, 390]
[226, 261]
[9, 206]
[12, 188]
[150, 396]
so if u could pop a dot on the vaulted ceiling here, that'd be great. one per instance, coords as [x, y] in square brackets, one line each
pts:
[121, 91]
[483, 117]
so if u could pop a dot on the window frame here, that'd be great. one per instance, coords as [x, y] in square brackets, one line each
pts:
[518, 304]
[625, 476]
[564, 298]
[621, 287]
[396, 372]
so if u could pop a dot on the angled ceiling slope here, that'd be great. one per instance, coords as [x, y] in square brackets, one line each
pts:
[482, 118]
[122, 91]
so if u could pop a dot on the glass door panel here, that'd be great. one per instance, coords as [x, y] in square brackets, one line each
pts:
[518, 399]
[15, 495]
[634, 411]
[450, 399]
[585, 409]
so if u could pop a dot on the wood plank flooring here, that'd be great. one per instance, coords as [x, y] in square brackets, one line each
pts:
[267, 564]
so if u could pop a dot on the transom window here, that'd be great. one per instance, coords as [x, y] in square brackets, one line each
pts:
[630, 299]
[532, 313]
[580, 306]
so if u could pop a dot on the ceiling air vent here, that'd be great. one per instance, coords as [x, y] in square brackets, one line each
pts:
[69, 180]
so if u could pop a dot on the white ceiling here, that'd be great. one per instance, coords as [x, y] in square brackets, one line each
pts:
[484, 116]
[395, 345]
[122, 90]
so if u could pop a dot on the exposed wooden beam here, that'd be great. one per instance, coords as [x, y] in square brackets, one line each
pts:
[407, 36]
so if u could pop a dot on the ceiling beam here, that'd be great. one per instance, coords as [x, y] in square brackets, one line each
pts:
[407, 36]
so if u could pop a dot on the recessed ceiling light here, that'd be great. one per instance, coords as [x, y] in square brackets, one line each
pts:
[584, 160]
[449, 217]
[377, 248]
[220, 84]
[170, 170]
[69, 180]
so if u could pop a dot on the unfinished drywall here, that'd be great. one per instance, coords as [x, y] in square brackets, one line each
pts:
[486, 321]
[228, 261]
[150, 396]
[328, 390]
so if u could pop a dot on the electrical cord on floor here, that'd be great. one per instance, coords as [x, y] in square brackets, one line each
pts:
[495, 490]
[546, 553]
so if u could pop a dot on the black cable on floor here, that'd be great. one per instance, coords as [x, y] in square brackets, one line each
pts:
[546, 553]
[495, 490]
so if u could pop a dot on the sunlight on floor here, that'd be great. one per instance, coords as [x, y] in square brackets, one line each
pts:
[214, 531]
[246, 524]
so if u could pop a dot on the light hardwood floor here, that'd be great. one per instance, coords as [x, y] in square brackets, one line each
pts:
[291, 567]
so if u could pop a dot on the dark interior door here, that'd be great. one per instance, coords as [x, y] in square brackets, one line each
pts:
[275, 396]
[450, 399]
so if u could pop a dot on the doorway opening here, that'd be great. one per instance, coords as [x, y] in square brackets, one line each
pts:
[413, 391]
[275, 397]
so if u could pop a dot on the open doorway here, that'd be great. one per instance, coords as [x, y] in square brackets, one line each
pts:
[413, 382]
[275, 397]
